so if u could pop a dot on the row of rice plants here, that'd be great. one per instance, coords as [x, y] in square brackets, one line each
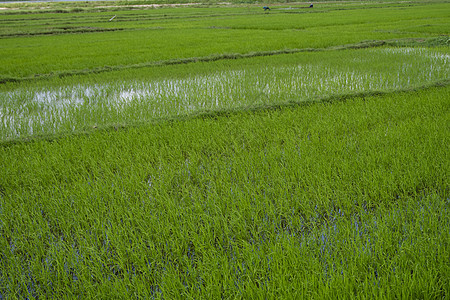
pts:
[39, 109]
[348, 199]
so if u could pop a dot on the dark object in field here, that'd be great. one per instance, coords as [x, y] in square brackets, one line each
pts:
[266, 8]
[311, 6]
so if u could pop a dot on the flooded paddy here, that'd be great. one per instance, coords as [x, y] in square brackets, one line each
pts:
[42, 110]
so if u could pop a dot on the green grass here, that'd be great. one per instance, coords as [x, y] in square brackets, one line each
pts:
[215, 151]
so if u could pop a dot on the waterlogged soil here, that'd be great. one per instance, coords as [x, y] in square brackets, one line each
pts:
[79, 105]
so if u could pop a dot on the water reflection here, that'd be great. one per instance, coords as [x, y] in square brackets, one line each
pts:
[24, 112]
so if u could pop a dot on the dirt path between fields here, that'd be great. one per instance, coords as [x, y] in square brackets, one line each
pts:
[150, 5]
[115, 6]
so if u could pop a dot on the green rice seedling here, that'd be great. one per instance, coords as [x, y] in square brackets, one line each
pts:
[312, 174]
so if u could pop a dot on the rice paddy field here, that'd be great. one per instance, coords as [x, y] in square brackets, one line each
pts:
[176, 150]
